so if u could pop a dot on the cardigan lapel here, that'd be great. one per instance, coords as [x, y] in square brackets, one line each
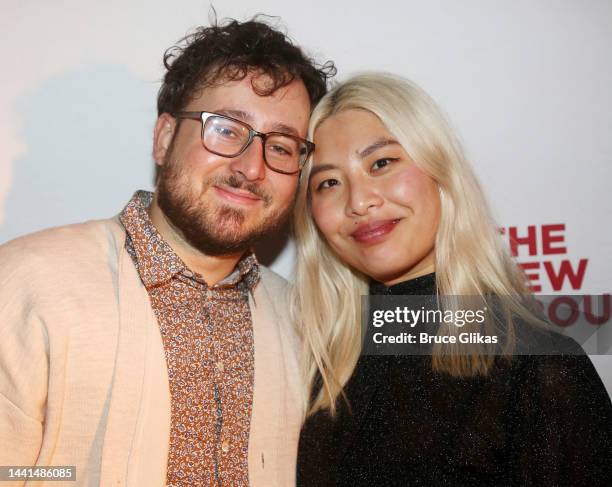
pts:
[126, 389]
[267, 394]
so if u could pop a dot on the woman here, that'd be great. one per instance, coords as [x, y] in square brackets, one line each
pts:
[389, 205]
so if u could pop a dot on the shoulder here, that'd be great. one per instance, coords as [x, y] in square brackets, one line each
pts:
[50, 257]
[542, 340]
[275, 286]
[564, 378]
[70, 242]
[553, 359]
[272, 293]
[271, 279]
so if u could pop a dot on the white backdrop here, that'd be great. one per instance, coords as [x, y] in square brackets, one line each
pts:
[526, 84]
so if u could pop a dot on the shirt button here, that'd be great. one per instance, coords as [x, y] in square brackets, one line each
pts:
[225, 446]
[220, 366]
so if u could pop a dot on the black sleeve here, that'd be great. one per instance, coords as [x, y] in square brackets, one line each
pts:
[561, 430]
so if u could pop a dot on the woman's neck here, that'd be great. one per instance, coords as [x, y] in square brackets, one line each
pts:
[421, 285]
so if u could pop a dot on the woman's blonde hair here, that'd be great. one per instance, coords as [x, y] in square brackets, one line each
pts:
[470, 257]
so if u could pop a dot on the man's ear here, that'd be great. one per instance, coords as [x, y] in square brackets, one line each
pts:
[162, 137]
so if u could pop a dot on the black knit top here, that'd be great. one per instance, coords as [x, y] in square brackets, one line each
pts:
[536, 420]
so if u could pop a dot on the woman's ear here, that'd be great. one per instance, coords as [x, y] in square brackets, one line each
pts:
[162, 137]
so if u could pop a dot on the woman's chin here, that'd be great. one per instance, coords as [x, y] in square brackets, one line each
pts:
[383, 273]
[387, 271]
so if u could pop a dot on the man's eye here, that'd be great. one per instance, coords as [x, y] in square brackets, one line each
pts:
[279, 150]
[327, 183]
[225, 132]
[380, 163]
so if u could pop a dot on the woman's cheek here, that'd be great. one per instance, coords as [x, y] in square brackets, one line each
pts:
[326, 216]
[411, 186]
[318, 213]
[400, 188]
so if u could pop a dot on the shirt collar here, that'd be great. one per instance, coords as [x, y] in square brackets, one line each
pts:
[157, 262]
[247, 269]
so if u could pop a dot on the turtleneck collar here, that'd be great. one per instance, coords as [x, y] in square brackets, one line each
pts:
[419, 286]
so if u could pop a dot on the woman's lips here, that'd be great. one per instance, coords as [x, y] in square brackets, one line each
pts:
[236, 195]
[374, 232]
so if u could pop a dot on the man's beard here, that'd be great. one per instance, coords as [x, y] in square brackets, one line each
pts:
[213, 230]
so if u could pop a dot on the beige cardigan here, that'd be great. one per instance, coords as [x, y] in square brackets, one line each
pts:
[83, 377]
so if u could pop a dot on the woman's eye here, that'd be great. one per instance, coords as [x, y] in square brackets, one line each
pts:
[327, 183]
[380, 163]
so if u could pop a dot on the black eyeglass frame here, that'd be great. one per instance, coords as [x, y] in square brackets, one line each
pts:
[203, 116]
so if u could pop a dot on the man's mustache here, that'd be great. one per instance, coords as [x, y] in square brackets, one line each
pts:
[234, 182]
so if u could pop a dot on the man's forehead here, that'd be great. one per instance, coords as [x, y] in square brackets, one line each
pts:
[249, 117]
[286, 109]
[260, 83]
[260, 78]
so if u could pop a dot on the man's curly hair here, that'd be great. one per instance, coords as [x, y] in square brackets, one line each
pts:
[230, 50]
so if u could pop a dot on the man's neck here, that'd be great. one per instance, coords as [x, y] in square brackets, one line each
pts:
[213, 268]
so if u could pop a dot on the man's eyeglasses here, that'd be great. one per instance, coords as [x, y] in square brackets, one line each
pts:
[228, 137]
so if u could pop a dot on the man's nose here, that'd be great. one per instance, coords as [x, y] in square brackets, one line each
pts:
[250, 164]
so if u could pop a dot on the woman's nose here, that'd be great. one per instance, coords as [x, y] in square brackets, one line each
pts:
[363, 196]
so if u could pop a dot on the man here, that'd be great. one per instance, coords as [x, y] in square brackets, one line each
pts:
[153, 348]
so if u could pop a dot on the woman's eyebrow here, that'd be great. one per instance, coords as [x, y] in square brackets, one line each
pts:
[375, 146]
[320, 168]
